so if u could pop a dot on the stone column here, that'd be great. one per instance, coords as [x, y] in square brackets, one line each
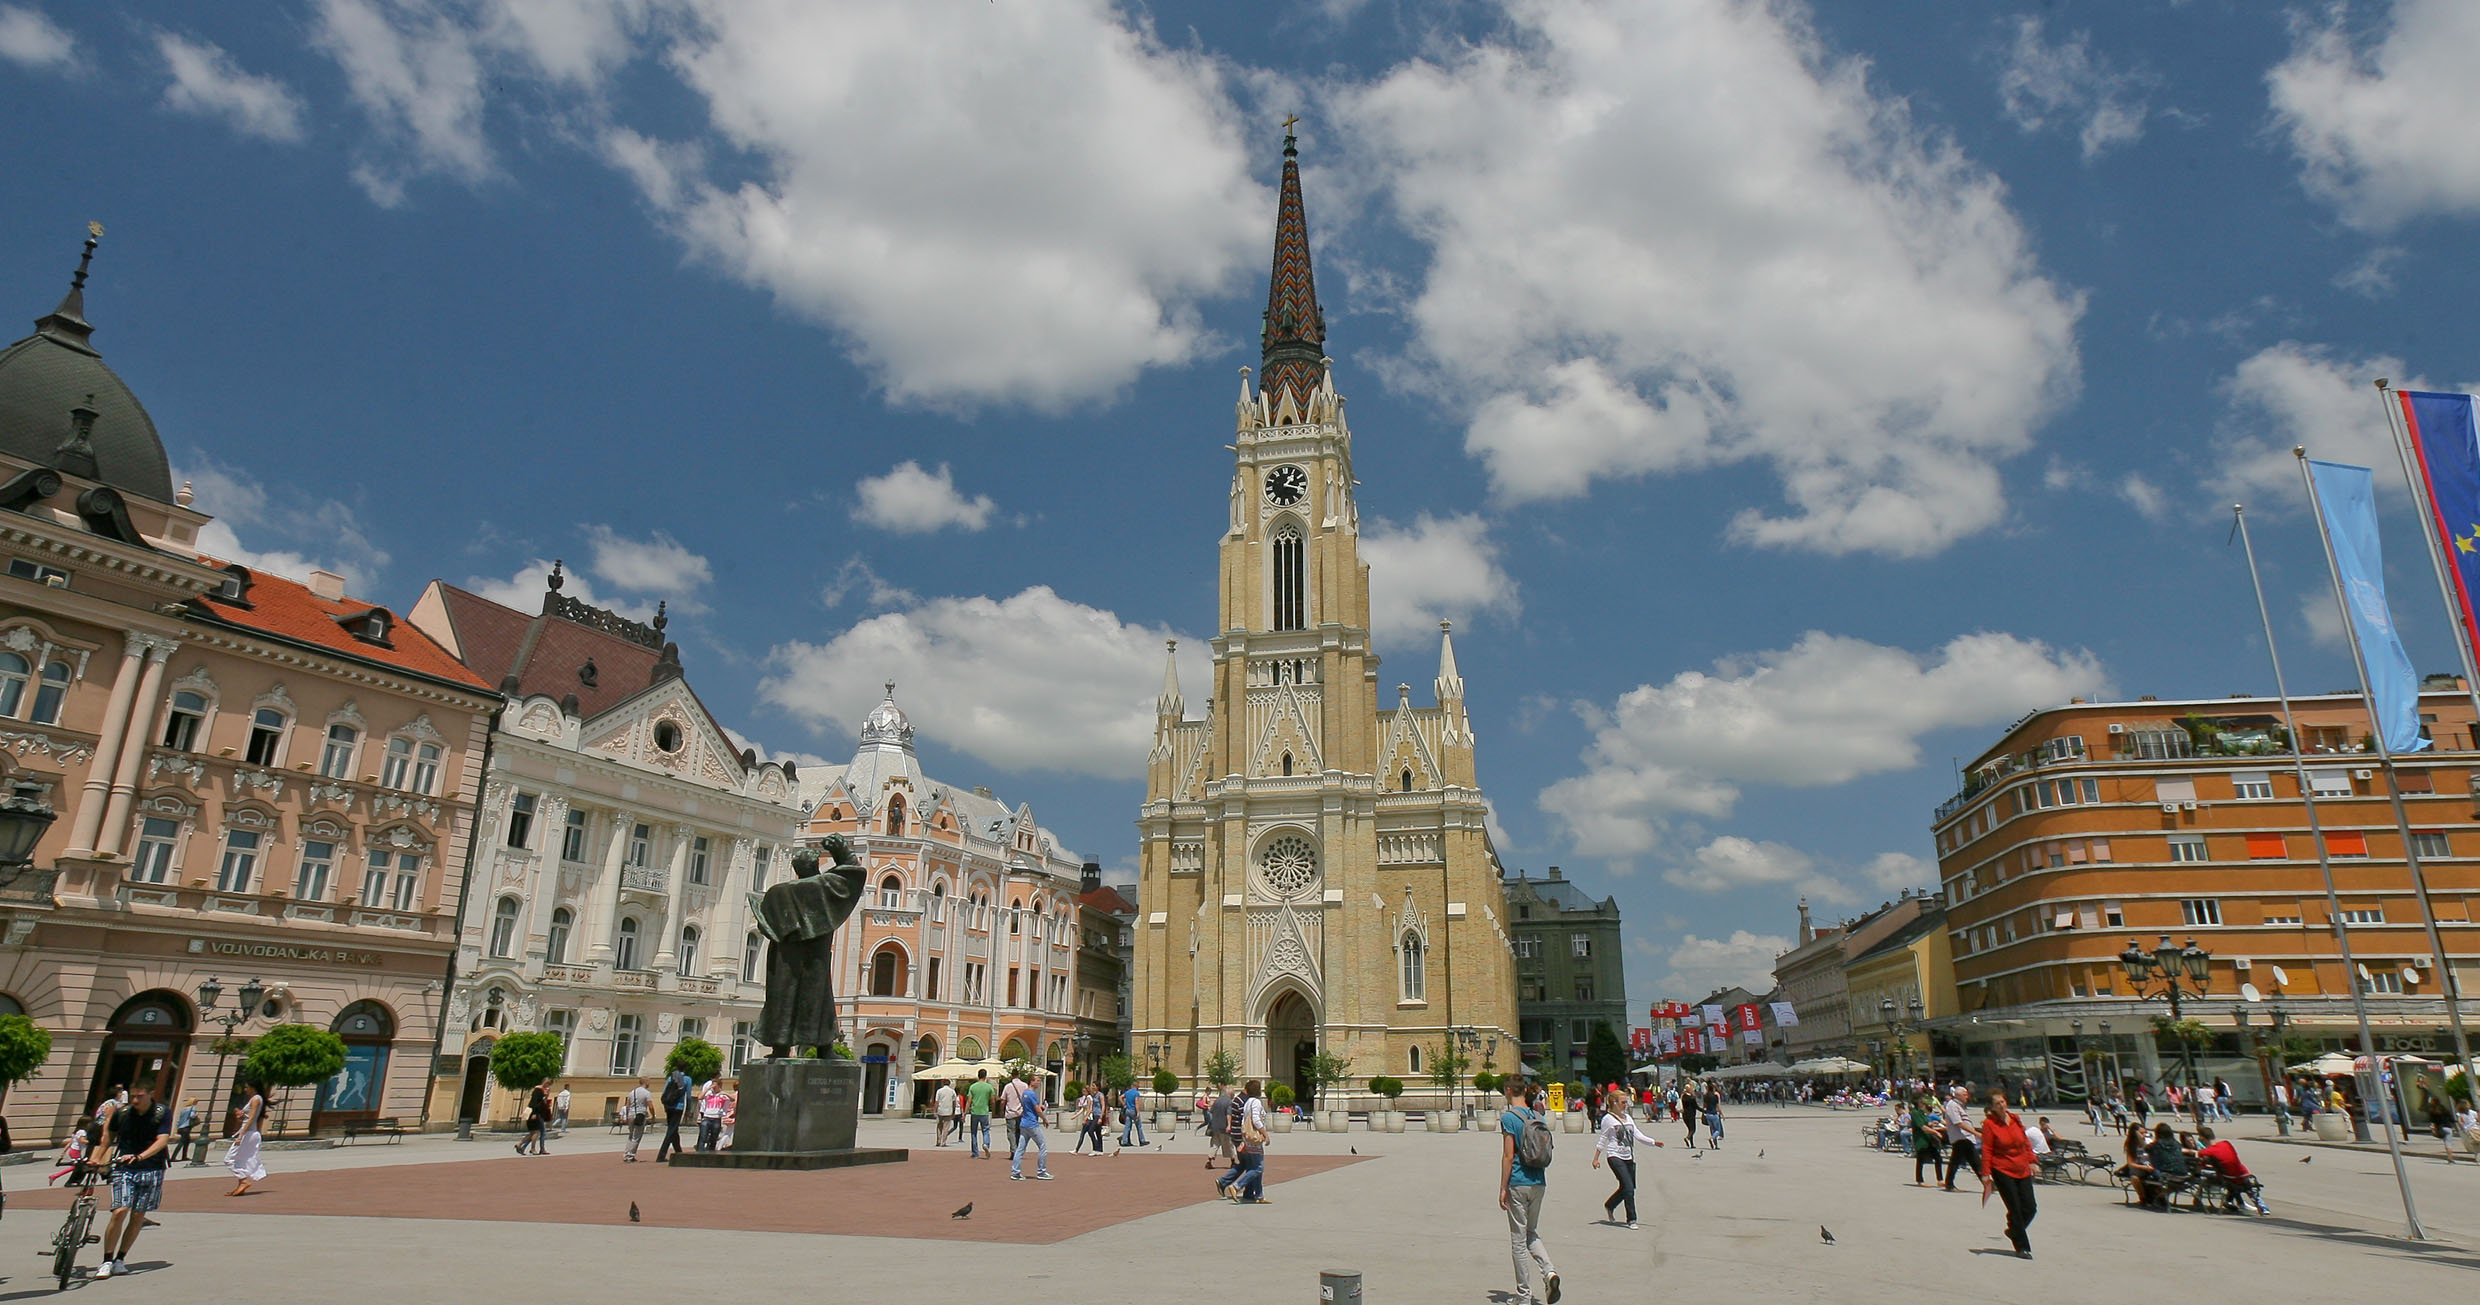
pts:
[542, 889]
[675, 914]
[603, 896]
[133, 749]
[110, 740]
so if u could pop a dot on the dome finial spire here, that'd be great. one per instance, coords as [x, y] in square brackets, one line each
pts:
[68, 321]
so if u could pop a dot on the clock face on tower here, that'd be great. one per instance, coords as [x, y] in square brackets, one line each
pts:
[1285, 485]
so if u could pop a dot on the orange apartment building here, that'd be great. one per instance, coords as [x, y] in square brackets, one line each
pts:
[2095, 825]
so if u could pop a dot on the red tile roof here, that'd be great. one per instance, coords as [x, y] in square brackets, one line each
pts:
[287, 609]
[545, 653]
[1108, 898]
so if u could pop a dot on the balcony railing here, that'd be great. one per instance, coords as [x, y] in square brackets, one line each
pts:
[643, 879]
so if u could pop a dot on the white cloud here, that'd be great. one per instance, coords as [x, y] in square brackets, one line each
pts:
[1825, 287]
[302, 534]
[29, 38]
[2144, 496]
[2381, 119]
[1731, 862]
[2324, 621]
[911, 501]
[2067, 81]
[418, 77]
[1436, 569]
[657, 564]
[1825, 711]
[1698, 966]
[2294, 394]
[856, 576]
[1028, 682]
[2372, 277]
[805, 761]
[1895, 871]
[206, 82]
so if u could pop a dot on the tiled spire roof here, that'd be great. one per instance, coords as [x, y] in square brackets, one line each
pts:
[1295, 333]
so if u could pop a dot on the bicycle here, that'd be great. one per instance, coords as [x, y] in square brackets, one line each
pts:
[73, 1235]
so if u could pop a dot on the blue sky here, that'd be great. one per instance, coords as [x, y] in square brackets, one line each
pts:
[1780, 399]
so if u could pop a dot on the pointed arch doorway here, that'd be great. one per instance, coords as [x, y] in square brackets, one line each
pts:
[1291, 1039]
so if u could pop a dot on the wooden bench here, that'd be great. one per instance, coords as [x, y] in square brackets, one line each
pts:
[387, 1126]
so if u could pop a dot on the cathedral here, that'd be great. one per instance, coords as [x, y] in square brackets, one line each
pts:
[1316, 873]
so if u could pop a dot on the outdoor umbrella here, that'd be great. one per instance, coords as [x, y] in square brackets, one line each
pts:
[955, 1069]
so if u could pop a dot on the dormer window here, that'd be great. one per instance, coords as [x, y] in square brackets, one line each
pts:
[368, 626]
[235, 591]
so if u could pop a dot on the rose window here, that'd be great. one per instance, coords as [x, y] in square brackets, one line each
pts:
[1288, 866]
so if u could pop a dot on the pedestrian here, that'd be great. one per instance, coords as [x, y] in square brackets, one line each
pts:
[978, 1098]
[1687, 1111]
[1026, 1114]
[1089, 1111]
[537, 1119]
[1962, 1143]
[559, 1110]
[675, 1105]
[1928, 1137]
[1523, 1161]
[1713, 1117]
[711, 1109]
[2006, 1167]
[185, 1124]
[1131, 1119]
[731, 1115]
[242, 1159]
[72, 1152]
[2203, 1099]
[635, 1111]
[2222, 1099]
[1616, 1141]
[1218, 1121]
[141, 1134]
[1245, 1181]
[944, 1105]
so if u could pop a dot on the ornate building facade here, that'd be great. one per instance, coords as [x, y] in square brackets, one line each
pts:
[621, 832]
[1316, 869]
[258, 783]
[967, 945]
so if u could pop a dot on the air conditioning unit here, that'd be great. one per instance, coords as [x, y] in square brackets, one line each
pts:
[2169, 808]
[2362, 774]
[2116, 728]
[2187, 806]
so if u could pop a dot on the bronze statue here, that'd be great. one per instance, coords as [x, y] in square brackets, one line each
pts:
[799, 918]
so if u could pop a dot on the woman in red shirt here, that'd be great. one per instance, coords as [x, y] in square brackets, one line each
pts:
[2007, 1166]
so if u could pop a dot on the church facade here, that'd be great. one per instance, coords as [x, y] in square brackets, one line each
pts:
[1316, 871]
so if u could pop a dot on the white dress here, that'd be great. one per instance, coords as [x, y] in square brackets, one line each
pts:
[243, 1158]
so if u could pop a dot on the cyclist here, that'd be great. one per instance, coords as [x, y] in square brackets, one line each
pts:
[141, 1136]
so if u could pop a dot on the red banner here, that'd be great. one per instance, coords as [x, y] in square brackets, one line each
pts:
[1640, 1040]
[1691, 1042]
[1744, 1018]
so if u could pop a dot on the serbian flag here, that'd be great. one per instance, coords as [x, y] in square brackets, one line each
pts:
[2446, 446]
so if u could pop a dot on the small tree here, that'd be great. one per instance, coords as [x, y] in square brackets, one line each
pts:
[1485, 1081]
[24, 1046]
[522, 1060]
[1447, 1065]
[291, 1056]
[1281, 1096]
[699, 1059]
[1604, 1059]
[1325, 1070]
[1120, 1072]
[1390, 1088]
[1222, 1069]
[1165, 1082]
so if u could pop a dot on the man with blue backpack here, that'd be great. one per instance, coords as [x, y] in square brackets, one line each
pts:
[1523, 1164]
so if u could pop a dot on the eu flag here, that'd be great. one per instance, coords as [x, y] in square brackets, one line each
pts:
[2444, 438]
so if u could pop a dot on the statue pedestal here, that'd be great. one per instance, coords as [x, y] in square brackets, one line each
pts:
[796, 1114]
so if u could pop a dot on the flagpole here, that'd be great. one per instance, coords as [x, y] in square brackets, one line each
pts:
[2316, 835]
[2415, 478]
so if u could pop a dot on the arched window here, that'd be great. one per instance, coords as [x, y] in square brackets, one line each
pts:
[1416, 968]
[266, 738]
[886, 969]
[13, 674]
[1407, 779]
[336, 758]
[183, 723]
[1287, 763]
[688, 948]
[1290, 578]
[624, 948]
[1016, 916]
[890, 892]
[494, 1013]
[895, 814]
[938, 903]
[1416, 1060]
[53, 691]
[561, 922]
[752, 950]
[504, 928]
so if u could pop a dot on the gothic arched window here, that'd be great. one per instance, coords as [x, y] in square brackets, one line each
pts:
[1290, 578]
[1416, 968]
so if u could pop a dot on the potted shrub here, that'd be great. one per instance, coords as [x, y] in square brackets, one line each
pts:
[1166, 1111]
[1327, 1072]
[1386, 1119]
[1446, 1070]
[1280, 1096]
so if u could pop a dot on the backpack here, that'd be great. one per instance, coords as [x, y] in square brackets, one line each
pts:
[674, 1092]
[1533, 1146]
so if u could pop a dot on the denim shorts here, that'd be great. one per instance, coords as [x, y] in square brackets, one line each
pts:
[137, 1189]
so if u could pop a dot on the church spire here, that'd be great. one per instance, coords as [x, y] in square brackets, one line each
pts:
[1450, 685]
[1169, 705]
[1295, 330]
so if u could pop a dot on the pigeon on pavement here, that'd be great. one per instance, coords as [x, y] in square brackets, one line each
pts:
[965, 1213]
[1821, 1232]
[1355, 1150]
[2306, 1158]
[633, 1212]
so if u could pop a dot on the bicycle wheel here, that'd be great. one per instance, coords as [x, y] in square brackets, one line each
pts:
[71, 1239]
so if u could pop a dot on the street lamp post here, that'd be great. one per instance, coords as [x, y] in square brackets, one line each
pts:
[24, 815]
[1467, 1040]
[2083, 1070]
[245, 1006]
[2182, 973]
[1900, 1030]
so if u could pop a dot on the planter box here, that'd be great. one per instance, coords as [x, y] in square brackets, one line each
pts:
[1334, 1121]
[1571, 1121]
[1280, 1123]
[1394, 1121]
[2332, 1127]
[1445, 1121]
[1168, 1119]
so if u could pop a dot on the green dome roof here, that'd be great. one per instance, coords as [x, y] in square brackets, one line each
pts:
[56, 369]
